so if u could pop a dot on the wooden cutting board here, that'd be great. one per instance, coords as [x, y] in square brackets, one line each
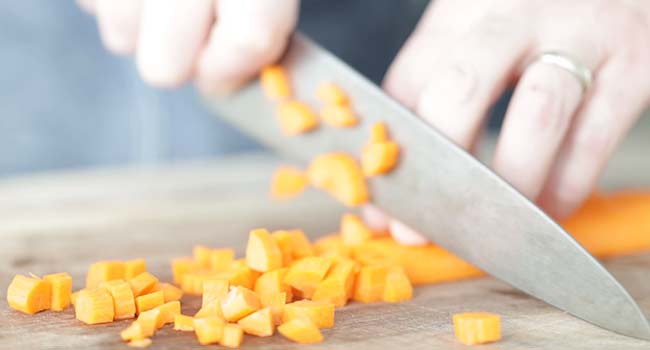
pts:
[64, 222]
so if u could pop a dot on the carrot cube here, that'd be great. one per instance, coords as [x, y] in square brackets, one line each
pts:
[94, 306]
[262, 253]
[149, 321]
[192, 282]
[338, 116]
[240, 274]
[338, 285]
[214, 290]
[123, 299]
[183, 323]
[275, 82]
[29, 294]
[168, 312]
[171, 292]
[288, 182]
[398, 286]
[370, 282]
[283, 240]
[276, 303]
[321, 313]
[353, 230]
[221, 259]
[134, 267]
[272, 282]
[332, 246]
[181, 266]
[301, 331]
[61, 287]
[149, 301]
[307, 273]
[259, 323]
[379, 157]
[133, 332]
[294, 244]
[104, 271]
[296, 117]
[232, 336]
[341, 176]
[239, 303]
[473, 328]
[209, 330]
[210, 309]
[143, 283]
[331, 94]
[201, 255]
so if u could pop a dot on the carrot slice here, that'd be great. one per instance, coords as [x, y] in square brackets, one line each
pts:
[398, 287]
[29, 294]
[149, 301]
[296, 117]
[288, 182]
[183, 323]
[94, 306]
[473, 328]
[339, 116]
[259, 323]
[301, 331]
[134, 267]
[61, 287]
[275, 82]
[331, 94]
[239, 303]
[340, 175]
[233, 334]
[307, 273]
[319, 312]
[209, 330]
[123, 299]
[104, 271]
[262, 253]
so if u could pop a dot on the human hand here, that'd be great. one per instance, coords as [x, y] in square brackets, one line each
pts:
[556, 138]
[220, 44]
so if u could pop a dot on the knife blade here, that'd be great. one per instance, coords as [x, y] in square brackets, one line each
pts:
[444, 193]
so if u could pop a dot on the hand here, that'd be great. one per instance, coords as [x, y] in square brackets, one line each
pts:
[556, 138]
[219, 43]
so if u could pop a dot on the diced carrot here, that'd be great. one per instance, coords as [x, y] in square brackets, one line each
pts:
[332, 246]
[262, 253]
[209, 330]
[353, 230]
[259, 323]
[171, 292]
[288, 182]
[104, 271]
[276, 303]
[379, 158]
[142, 283]
[232, 336]
[140, 343]
[275, 82]
[283, 240]
[221, 259]
[168, 312]
[181, 266]
[183, 323]
[94, 306]
[296, 117]
[156, 288]
[123, 299]
[339, 116]
[61, 288]
[338, 285]
[149, 301]
[370, 282]
[294, 244]
[341, 176]
[242, 275]
[134, 267]
[307, 273]
[473, 328]
[331, 94]
[73, 297]
[29, 294]
[398, 287]
[378, 133]
[321, 313]
[192, 282]
[134, 331]
[239, 303]
[201, 255]
[210, 309]
[149, 321]
[272, 282]
[301, 331]
[214, 290]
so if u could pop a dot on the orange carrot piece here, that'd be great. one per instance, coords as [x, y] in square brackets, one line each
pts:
[275, 83]
[209, 330]
[61, 288]
[288, 182]
[171, 292]
[140, 343]
[104, 271]
[123, 299]
[167, 313]
[134, 267]
[296, 117]
[276, 303]
[331, 94]
[29, 294]
[148, 320]
[262, 253]
[340, 175]
[233, 334]
[397, 288]
[472, 328]
[221, 259]
[214, 290]
[353, 230]
[301, 331]
[192, 282]
[339, 116]
[307, 273]
[149, 301]
[272, 282]
[319, 312]
[369, 286]
[94, 306]
[183, 323]
[239, 303]
[182, 266]
[201, 255]
[259, 323]
[378, 133]
[332, 246]
[284, 241]
[134, 331]
[143, 283]
[379, 158]
[338, 285]
[211, 309]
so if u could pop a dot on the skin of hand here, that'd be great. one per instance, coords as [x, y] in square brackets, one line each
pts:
[219, 44]
[556, 138]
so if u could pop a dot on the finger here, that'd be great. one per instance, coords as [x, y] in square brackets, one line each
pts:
[118, 22]
[536, 122]
[87, 5]
[405, 235]
[375, 218]
[248, 35]
[472, 76]
[172, 34]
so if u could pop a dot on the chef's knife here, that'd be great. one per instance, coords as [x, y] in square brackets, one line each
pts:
[444, 193]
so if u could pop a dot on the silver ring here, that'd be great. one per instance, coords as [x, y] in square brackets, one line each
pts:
[561, 60]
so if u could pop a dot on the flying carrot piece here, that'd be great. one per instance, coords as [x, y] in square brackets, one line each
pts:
[301, 331]
[331, 94]
[94, 306]
[276, 303]
[398, 287]
[239, 303]
[140, 343]
[341, 176]
[104, 271]
[149, 320]
[214, 290]
[232, 336]
[181, 266]
[474, 328]
[275, 82]
[353, 230]
[378, 133]
[288, 182]
[338, 116]
[272, 282]
[262, 253]
[370, 282]
[321, 313]
[61, 288]
[307, 273]
[168, 312]
[171, 292]
[29, 294]
[259, 323]
[296, 117]
[209, 330]
[338, 285]
[123, 299]
[142, 283]
[379, 158]
[134, 267]
[183, 323]
[149, 301]
[221, 259]
[201, 255]
[210, 309]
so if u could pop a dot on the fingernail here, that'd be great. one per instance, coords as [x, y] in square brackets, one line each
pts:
[405, 235]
